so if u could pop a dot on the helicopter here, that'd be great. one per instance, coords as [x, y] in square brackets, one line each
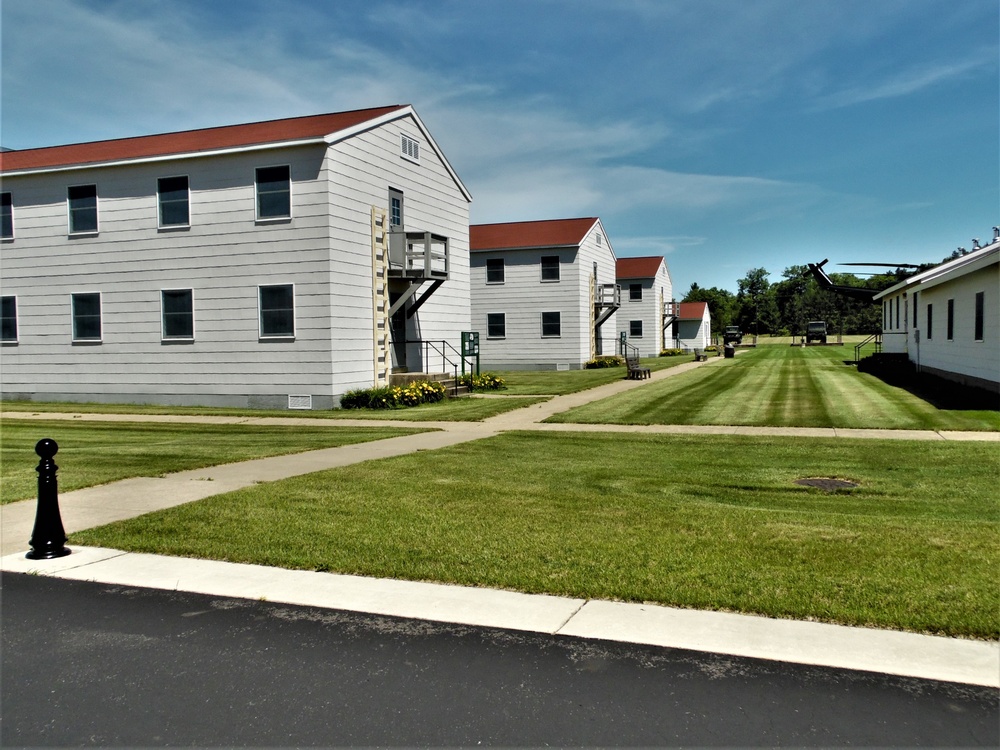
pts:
[855, 292]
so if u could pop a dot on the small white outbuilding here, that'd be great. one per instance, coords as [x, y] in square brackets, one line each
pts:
[946, 320]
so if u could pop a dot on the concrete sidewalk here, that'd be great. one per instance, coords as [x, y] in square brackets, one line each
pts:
[907, 654]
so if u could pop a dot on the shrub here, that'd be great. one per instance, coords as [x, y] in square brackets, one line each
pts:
[671, 352]
[608, 361]
[394, 396]
[486, 381]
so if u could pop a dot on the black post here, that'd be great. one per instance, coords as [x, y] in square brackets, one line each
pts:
[48, 538]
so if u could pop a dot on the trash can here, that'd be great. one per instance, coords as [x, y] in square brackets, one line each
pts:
[730, 351]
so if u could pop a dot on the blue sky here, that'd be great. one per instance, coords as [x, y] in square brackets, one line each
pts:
[723, 134]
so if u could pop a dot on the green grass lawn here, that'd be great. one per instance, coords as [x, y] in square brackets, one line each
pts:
[706, 522]
[779, 386]
[558, 383]
[92, 453]
[449, 410]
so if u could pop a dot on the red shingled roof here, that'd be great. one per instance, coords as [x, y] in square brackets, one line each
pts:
[638, 268]
[692, 310]
[524, 234]
[190, 141]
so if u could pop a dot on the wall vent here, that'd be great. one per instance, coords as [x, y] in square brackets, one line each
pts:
[409, 148]
[300, 402]
[562, 367]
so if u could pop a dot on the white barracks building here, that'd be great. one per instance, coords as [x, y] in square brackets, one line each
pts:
[273, 264]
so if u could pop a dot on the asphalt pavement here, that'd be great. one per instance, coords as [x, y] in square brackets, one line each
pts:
[89, 664]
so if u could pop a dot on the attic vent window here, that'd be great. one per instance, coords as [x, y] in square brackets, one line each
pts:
[599, 240]
[409, 148]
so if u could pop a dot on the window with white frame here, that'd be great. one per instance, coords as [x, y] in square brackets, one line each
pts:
[550, 268]
[177, 307]
[551, 324]
[496, 325]
[8, 319]
[635, 292]
[395, 208]
[6, 216]
[409, 148]
[82, 200]
[635, 329]
[174, 198]
[494, 271]
[274, 192]
[277, 311]
[87, 316]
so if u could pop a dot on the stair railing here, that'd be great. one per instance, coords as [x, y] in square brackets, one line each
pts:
[450, 357]
[876, 338]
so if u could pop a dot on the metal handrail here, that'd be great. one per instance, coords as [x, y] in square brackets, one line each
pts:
[876, 337]
[442, 349]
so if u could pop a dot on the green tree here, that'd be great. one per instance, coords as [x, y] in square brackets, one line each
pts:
[757, 304]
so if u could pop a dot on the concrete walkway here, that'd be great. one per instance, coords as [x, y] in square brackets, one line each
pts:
[972, 662]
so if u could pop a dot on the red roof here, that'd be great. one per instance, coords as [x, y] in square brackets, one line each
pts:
[638, 268]
[190, 141]
[525, 234]
[692, 310]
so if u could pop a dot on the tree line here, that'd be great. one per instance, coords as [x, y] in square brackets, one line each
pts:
[784, 307]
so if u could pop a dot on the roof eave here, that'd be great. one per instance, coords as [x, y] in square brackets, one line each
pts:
[164, 157]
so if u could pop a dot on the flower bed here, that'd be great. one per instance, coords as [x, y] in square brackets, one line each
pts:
[486, 381]
[394, 396]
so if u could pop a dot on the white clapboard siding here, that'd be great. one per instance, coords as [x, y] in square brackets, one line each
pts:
[324, 250]
[961, 355]
[523, 297]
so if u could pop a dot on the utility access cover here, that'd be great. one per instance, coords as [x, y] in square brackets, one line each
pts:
[827, 483]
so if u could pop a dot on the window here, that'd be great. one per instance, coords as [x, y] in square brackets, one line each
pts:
[897, 312]
[550, 268]
[274, 193]
[930, 322]
[951, 319]
[277, 311]
[174, 199]
[178, 313]
[597, 236]
[409, 148]
[8, 319]
[395, 207]
[83, 209]
[635, 329]
[496, 325]
[980, 300]
[6, 216]
[494, 270]
[87, 317]
[635, 292]
[551, 324]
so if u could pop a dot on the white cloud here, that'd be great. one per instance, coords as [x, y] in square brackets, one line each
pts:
[910, 81]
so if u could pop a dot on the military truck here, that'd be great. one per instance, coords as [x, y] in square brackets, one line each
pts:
[732, 335]
[816, 331]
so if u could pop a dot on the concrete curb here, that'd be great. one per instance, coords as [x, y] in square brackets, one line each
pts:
[818, 644]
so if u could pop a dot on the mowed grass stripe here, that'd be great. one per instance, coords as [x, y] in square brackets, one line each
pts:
[779, 386]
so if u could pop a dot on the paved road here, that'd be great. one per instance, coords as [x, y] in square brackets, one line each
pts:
[91, 664]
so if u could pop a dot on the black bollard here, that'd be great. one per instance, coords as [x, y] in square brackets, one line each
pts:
[48, 538]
